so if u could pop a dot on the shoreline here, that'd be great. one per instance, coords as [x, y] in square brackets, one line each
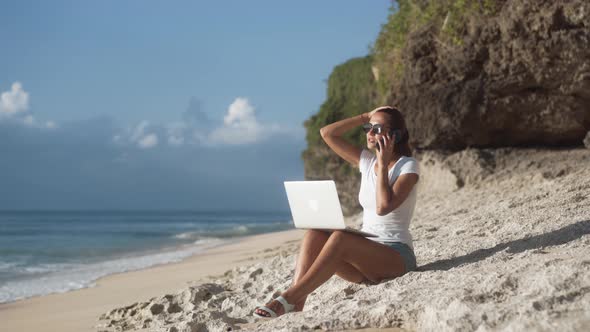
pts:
[185, 251]
[79, 309]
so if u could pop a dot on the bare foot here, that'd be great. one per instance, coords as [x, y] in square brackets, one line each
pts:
[273, 305]
[299, 305]
[278, 308]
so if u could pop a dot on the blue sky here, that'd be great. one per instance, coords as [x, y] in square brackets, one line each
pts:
[166, 105]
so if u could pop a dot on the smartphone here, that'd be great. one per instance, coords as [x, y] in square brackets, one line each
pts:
[377, 146]
[398, 137]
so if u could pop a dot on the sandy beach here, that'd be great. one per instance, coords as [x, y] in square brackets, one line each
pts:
[502, 245]
[144, 149]
[79, 310]
[502, 240]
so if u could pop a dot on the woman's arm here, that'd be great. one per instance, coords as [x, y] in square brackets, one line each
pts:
[332, 135]
[389, 197]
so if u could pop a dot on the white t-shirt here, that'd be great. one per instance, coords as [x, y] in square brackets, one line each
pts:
[394, 226]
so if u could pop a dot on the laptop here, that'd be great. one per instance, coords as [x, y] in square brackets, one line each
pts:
[315, 205]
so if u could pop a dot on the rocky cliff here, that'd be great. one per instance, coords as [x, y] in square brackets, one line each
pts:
[466, 74]
[517, 78]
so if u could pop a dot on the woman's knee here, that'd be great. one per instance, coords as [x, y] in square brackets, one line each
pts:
[316, 234]
[339, 236]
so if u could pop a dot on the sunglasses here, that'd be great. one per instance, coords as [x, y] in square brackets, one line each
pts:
[376, 128]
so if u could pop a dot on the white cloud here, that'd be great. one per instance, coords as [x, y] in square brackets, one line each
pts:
[143, 137]
[240, 125]
[14, 101]
[14, 107]
[148, 141]
[175, 140]
[175, 133]
[240, 114]
[139, 131]
[29, 120]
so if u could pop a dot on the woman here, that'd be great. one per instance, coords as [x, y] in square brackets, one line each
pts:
[387, 195]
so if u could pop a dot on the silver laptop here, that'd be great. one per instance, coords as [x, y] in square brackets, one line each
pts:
[315, 204]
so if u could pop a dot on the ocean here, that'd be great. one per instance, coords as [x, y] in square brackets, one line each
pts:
[43, 252]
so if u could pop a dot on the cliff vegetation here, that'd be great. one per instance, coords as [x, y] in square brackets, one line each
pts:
[466, 74]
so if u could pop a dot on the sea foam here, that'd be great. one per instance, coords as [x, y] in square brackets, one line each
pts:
[65, 277]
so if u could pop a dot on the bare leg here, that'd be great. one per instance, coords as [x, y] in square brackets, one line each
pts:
[370, 259]
[311, 246]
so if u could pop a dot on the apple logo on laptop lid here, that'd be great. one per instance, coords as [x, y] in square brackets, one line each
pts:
[314, 204]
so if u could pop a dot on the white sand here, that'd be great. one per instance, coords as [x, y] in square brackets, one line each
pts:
[79, 310]
[508, 251]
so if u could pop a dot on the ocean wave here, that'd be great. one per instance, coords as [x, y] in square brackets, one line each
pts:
[8, 266]
[208, 241]
[75, 276]
[186, 235]
[21, 268]
[233, 230]
[43, 268]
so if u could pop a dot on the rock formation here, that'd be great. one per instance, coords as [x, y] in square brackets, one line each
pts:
[515, 75]
[519, 78]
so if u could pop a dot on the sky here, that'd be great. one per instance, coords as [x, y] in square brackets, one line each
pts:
[193, 105]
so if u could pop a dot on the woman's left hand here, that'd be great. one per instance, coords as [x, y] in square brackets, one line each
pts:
[385, 152]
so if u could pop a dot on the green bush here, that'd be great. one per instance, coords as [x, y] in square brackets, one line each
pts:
[448, 20]
[352, 88]
[350, 91]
